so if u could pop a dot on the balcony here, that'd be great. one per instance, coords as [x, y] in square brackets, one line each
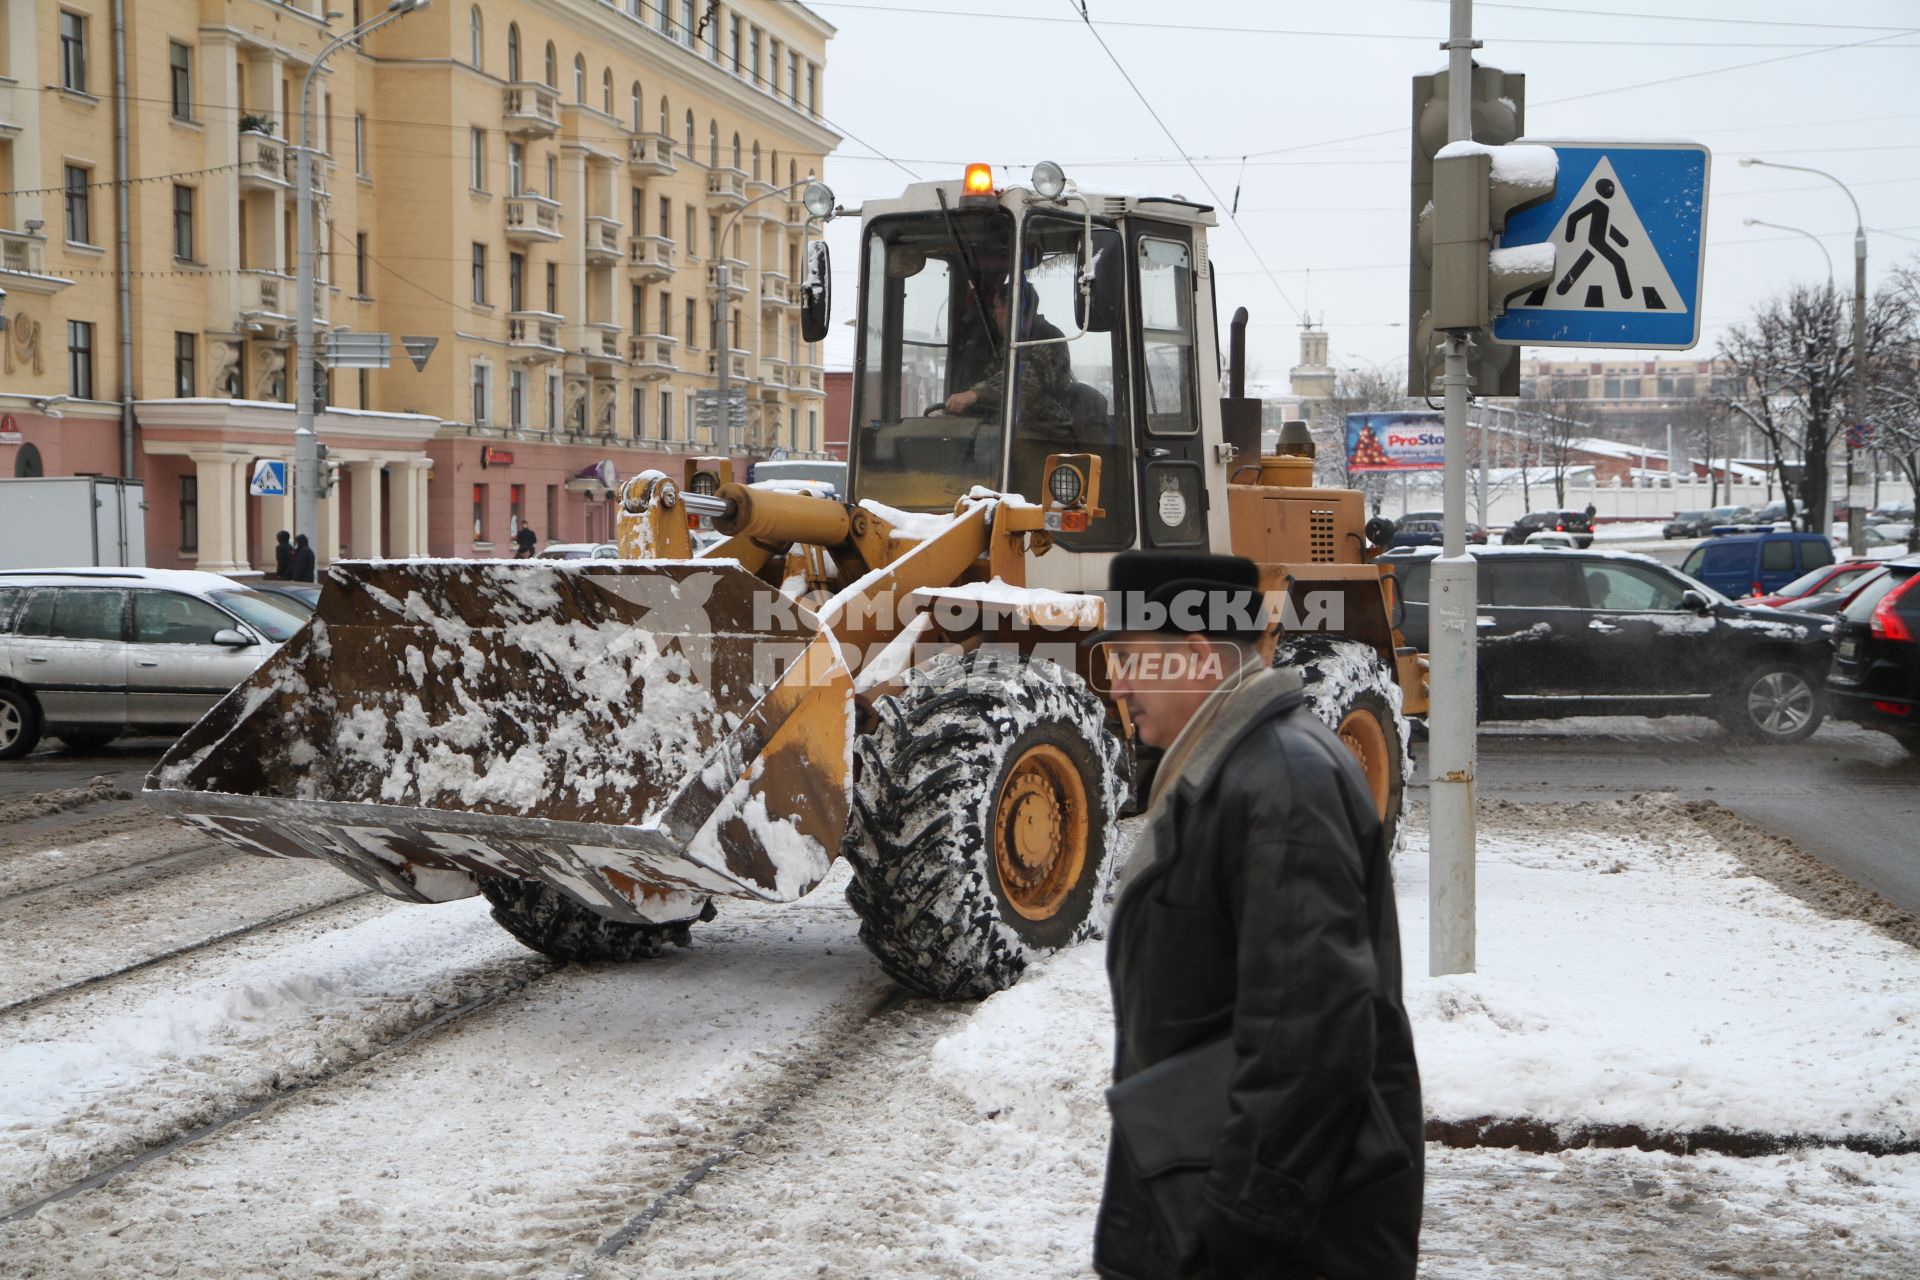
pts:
[737, 361]
[773, 377]
[797, 214]
[264, 297]
[263, 163]
[603, 240]
[807, 379]
[533, 337]
[777, 292]
[532, 219]
[532, 109]
[650, 258]
[726, 189]
[651, 356]
[738, 276]
[651, 155]
[598, 341]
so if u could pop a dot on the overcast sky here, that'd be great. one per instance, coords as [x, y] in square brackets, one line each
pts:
[1317, 96]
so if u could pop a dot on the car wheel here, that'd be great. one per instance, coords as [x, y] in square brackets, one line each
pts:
[1773, 702]
[19, 724]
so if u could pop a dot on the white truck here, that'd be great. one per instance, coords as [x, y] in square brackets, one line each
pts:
[68, 521]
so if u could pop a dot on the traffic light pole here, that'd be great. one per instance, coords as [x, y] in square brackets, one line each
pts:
[1454, 677]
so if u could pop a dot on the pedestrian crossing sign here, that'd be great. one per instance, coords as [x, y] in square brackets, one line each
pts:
[269, 479]
[1627, 221]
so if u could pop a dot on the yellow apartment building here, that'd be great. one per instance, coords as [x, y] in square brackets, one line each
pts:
[546, 188]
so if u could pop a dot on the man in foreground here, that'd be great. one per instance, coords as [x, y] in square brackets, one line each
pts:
[1267, 1118]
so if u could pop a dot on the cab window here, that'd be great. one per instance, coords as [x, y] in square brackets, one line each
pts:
[1166, 320]
[167, 617]
[1071, 395]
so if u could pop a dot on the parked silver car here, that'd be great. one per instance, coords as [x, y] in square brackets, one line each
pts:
[89, 654]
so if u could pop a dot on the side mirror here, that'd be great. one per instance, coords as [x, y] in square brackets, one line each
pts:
[1100, 309]
[1695, 601]
[816, 293]
[232, 638]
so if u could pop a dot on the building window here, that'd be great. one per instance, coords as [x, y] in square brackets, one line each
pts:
[606, 91]
[477, 159]
[482, 393]
[553, 289]
[180, 79]
[190, 513]
[360, 145]
[753, 53]
[666, 415]
[553, 67]
[773, 65]
[813, 89]
[476, 46]
[516, 508]
[80, 359]
[636, 308]
[360, 265]
[513, 51]
[186, 349]
[517, 399]
[516, 168]
[516, 282]
[79, 206]
[692, 333]
[756, 162]
[686, 22]
[733, 42]
[689, 136]
[73, 52]
[183, 223]
[713, 144]
[813, 431]
[579, 79]
[633, 105]
[666, 218]
[480, 513]
[553, 178]
[793, 78]
[553, 406]
[638, 405]
[666, 315]
[480, 274]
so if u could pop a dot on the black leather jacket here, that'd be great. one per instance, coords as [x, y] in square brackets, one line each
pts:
[1267, 913]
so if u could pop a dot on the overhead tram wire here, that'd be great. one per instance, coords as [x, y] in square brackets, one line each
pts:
[1252, 248]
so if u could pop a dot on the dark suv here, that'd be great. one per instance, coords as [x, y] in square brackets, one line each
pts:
[1875, 679]
[1573, 522]
[1581, 633]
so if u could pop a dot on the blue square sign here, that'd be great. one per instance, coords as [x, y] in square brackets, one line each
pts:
[1627, 221]
[269, 479]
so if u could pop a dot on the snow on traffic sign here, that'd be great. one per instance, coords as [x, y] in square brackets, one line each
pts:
[1627, 223]
[269, 479]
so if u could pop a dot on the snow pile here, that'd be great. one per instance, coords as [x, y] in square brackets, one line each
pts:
[1025, 1055]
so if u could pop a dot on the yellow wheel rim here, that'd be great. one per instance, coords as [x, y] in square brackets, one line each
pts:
[1040, 831]
[1366, 737]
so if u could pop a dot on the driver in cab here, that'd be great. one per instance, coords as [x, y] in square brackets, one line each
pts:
[1046, 376]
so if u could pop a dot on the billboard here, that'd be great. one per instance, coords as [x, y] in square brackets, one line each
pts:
[1395, 442]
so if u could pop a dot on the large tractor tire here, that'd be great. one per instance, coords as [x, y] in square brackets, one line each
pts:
[1353, 691]
[983, 823]
[553, 924]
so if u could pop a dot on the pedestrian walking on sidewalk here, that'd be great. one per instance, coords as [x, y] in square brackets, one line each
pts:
[524, 542]
[283, 556]
[303, 559]
[1266, 1104]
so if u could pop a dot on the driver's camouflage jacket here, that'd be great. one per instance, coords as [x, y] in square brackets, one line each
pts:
[1045, 392]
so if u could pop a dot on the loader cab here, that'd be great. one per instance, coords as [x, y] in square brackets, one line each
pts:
[994, 331]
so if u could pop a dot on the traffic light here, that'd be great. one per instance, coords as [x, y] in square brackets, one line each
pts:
[1449, 250]
[329, 470]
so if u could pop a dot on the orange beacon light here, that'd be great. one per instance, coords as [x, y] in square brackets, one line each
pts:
[979, 179]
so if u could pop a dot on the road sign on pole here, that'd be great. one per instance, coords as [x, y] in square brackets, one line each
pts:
[356, 350]
[269, 479]
[1627, 222]
[419, 349]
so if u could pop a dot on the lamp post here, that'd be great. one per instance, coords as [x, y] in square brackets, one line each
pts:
[1856, 518]
[306, 452]
[819, 202]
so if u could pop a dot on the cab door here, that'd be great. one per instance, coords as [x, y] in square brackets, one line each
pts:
[1171, 453]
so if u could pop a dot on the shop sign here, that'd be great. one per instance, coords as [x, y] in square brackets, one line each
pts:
[492, 457]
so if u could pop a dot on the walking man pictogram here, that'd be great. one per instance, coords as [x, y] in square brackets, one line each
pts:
[1598, 215]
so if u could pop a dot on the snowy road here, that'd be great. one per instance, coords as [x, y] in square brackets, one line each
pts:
[377, 1090]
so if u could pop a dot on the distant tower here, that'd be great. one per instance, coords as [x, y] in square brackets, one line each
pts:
[1312, 378]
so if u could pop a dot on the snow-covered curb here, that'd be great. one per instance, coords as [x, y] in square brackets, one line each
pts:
[1625, 978]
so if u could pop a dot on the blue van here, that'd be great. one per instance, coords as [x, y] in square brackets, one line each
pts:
[1756, 564]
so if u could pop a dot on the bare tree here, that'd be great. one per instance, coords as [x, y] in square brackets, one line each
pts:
[1895, 395]
[1551, 436]
[1371, 390]
[1792, 367]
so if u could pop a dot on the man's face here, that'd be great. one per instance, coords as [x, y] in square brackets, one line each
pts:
[1162, 679]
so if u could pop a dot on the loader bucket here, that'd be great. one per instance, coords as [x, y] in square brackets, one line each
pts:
[641, 736]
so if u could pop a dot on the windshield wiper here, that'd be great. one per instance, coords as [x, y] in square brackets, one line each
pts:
[973, 272]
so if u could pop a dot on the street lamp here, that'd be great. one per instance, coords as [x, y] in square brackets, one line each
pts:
[306, 451]
[818, 198]
[1856, 518]
[1799, 231]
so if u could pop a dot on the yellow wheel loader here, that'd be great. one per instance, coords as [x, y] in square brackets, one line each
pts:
[607, 748]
